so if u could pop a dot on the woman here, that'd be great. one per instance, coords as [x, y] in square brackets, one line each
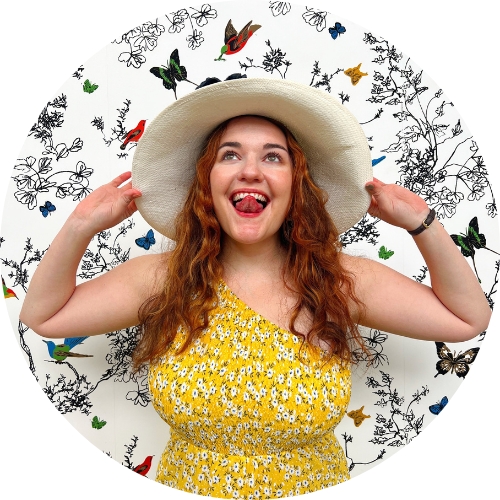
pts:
[249, 323]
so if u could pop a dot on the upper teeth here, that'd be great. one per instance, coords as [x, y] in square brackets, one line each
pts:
[239, 196]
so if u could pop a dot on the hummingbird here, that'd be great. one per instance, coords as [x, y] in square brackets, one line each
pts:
[143, 468]
[7, 292]
[60, 352]
[233, 41]
[135, 134]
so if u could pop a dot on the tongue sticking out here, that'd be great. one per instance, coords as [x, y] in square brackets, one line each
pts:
[249, 205]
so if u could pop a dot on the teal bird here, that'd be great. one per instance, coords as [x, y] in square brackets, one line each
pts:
[60, 352]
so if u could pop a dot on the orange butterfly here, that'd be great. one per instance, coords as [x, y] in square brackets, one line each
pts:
[358, 416]
[355, 74]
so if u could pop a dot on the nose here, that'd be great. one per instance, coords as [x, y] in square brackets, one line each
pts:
[250, 170]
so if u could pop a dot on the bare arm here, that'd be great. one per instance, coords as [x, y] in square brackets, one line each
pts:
[54, 306]
[453, 309]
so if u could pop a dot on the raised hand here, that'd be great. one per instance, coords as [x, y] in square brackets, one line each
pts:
[107, 206]
[396, 205]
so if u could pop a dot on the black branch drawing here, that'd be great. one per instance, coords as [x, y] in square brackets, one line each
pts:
[273, 60]
[324, 80]
[22, 329]
[52, 117]
[401, 426]
[109, 252]
[352, 463]
[364, 230]
[119, 131]
[20, 270]
[74, 394]
[435, 160]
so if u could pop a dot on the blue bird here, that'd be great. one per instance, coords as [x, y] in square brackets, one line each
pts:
[376, 161]
[60, 352]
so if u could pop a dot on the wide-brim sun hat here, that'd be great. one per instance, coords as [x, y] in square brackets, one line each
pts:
[334, 144]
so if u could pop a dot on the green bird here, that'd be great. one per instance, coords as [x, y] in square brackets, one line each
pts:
[60, 352]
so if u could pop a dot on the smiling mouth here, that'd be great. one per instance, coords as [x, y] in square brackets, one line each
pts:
[249, 202]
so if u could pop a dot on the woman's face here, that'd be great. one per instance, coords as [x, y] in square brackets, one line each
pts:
[251, 180]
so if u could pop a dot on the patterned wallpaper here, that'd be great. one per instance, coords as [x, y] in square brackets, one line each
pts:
[73, 145]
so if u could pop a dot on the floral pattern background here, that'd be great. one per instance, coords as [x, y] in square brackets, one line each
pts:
[53, 147]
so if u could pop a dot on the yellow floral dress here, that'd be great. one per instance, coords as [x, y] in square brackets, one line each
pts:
[251, 416]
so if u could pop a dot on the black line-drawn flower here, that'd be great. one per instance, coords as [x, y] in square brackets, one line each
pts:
[280, 8]
[195, 40]
[202, 16]
[315, 18]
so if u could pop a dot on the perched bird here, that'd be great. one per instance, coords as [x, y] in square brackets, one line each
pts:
[143, 468]
[7, 292]
[233, 41]
[135, 134]
[60, 352]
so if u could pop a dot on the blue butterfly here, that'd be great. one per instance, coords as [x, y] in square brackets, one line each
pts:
[436, 409]
[336, 31]
[146, 241]
[47, 208]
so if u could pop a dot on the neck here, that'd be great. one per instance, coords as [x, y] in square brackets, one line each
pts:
[267, 256]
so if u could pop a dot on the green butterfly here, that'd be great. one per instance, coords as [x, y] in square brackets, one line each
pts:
[89, 87]
[172, 74]
[471, 241]
[385, 254]
[98, 424]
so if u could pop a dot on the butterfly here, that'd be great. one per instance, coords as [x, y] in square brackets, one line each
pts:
[98, 424]
[172, 74]
[437, 408]
[89, 87]
[384, 253]
[355, 74]
[47, 208]
[146, 241]
[358, 416]
[449, 362]
[471, 241]
[336, 31]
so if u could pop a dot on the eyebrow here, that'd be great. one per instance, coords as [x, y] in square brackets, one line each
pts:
[268, 145]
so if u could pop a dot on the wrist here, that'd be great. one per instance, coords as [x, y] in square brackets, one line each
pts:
[427, 220]
[80, 228]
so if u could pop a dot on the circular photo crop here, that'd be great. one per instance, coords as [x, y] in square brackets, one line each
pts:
[86, 133]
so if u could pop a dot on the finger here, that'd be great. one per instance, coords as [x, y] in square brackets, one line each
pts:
[118, 181]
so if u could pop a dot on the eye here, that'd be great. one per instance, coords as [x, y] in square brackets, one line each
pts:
[273, 157]
[229, 155]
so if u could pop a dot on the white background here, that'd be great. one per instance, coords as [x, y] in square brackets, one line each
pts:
[45, 42]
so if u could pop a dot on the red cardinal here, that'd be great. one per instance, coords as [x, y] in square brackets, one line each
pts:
[135, 134]
[234, 41]
[143, 469]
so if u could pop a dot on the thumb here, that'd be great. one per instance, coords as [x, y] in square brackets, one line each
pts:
[128, 197]
[374, 187]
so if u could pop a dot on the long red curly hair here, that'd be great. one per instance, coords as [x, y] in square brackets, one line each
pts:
[193, 269]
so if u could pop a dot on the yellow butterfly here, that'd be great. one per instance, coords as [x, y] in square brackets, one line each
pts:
[355, 74]
[358, 416]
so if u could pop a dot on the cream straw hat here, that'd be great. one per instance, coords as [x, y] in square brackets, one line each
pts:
[334, 144]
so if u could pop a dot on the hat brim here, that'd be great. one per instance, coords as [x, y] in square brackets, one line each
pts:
[335, 146]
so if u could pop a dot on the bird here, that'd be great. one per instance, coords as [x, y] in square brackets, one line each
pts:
[233, 41]
[143, 468]
[135, 134]
[7, 292]
[60, 352]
